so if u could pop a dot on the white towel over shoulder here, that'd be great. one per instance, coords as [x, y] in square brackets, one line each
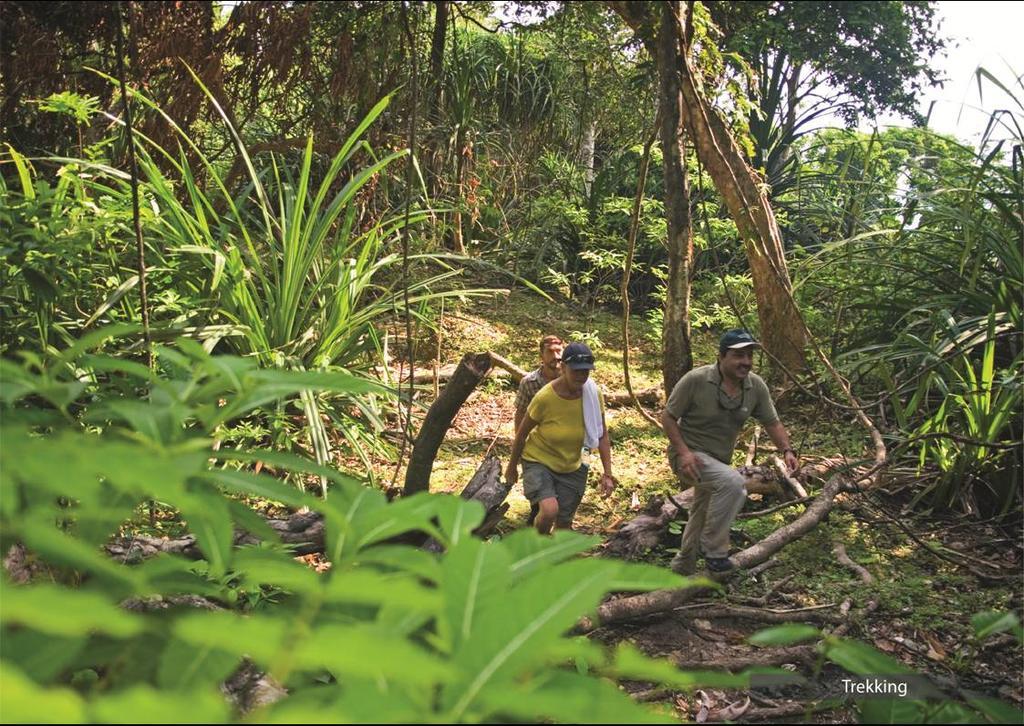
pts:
[593, 422]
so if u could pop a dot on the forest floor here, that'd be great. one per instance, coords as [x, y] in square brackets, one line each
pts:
[926, 579]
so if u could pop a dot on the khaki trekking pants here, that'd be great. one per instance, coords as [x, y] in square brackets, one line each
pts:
[718, 498]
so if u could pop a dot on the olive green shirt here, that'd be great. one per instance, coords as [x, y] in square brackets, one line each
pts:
[709, 418]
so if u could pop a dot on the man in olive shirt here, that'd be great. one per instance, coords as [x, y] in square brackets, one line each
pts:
[703, 418]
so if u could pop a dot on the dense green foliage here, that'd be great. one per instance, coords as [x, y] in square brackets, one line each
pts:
[390, 633]
[313, 177]
[923, 285]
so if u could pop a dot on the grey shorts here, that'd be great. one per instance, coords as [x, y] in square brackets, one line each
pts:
[539, 482]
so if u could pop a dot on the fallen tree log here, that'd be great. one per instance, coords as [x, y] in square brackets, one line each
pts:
[487, 488]
[648, 397]
[659, 601]
[638, 536]
[766, 657]
[757, 614]
[304, 530]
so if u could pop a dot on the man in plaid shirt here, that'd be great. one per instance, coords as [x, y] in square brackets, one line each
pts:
[550, 357]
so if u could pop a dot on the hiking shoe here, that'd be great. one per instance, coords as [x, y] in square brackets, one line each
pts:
[719, 564]
[682, 566]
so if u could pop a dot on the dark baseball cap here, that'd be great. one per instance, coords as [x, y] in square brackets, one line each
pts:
[578, 357]
[735, 339]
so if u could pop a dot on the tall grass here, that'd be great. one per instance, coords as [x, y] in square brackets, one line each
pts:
[288, 263]
[930, 305]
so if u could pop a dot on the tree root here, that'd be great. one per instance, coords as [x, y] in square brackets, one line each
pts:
[804, 654]
[762, 615]
[839, 550]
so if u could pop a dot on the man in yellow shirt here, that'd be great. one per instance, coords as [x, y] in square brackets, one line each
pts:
[550, 443]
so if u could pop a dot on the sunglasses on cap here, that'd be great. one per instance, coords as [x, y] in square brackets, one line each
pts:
[578, 358]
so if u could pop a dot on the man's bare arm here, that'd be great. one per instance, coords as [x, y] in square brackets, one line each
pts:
[522, 431]
[780, 437]
[688, 462]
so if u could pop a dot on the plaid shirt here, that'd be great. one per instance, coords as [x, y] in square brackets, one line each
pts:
[528, 387]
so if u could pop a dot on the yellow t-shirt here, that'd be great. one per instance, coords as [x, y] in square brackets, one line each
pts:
[557, 439]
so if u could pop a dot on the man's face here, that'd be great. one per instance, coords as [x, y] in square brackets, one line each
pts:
[574, 380]
[551, 357]
[736, 363]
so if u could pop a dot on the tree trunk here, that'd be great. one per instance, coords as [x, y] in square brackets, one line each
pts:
[471, 370]
[587, 156]
[437, 43]
[462, 151]
[677, 356]
[782, 331]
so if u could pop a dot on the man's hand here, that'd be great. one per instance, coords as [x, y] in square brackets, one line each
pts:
[690, 465]
[511, 474]
[608, 484]
[792, 461]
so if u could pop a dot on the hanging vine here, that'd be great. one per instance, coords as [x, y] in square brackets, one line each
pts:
[634, 225]
[410, 35]
[134, 173]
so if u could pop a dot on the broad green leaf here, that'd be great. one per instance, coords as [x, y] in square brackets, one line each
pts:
[951, 712]
[997, 711]
[25, 702]
[24, 168]
[293, 463]
[157, 424]
[637, 577]
[404, 558]
[565, 698]
[580, 651]
[632, 664]
[986, 624]
[530, 551]
[784, 635]
[209, 520]
[143, 704]
[63, 611]
[260, 485]
[368, 652]
[401, 619]
[96, 338]
[457, 517]
[172, 575]
[95, 524]
[890, 710]
[344, 522]
[862, 659]
[55, 547]
[372, 587]
[262, 638]
[357, 700]
[259, 566]
[246, 518]
[474, 581]
[316, 705]
[106, 364]
[517, 634]
[404, 515]
[185, 666]
[41, 656]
